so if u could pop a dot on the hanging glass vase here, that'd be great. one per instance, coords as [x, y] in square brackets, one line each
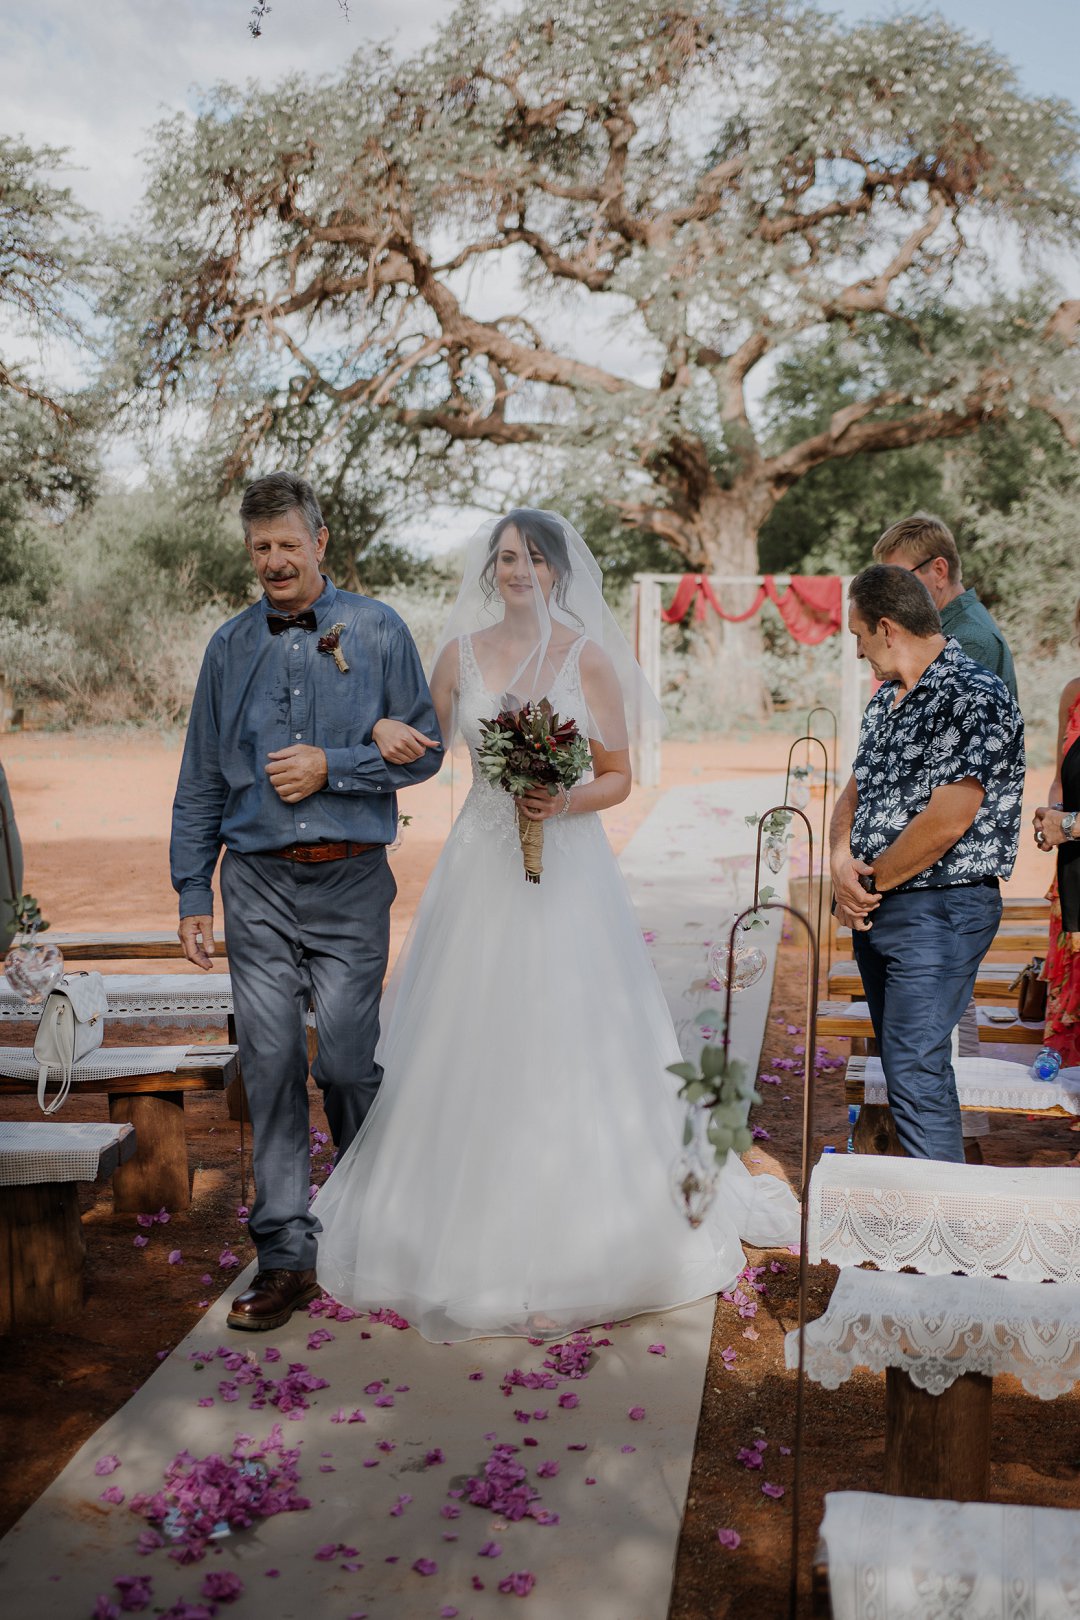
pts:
[748, 964]
[694, 1172]
[32, 967]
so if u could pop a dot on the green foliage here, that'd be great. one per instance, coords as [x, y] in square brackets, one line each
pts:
[45, 270]
[723, 1086]
[26, 914]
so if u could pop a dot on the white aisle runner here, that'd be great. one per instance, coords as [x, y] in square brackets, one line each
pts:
[390, 1534]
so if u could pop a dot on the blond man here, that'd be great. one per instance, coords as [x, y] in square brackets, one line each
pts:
[923, 544]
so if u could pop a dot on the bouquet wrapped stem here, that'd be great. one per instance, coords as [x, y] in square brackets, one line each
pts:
[531, 838]
[528, 748]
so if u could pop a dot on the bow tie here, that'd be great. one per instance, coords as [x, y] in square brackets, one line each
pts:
[279, 622]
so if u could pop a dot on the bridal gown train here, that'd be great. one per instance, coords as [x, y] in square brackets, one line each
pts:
[512, 1176]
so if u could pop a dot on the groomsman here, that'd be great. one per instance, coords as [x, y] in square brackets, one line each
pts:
[311, 711]
[920, 838]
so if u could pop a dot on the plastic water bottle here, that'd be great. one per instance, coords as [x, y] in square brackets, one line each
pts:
[852, 1121]
[828, 1148]
[1046, 1064]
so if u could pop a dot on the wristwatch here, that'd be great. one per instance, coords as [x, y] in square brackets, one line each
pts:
[1068, 822]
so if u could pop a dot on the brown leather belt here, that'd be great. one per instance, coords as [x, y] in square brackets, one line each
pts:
[310, 854]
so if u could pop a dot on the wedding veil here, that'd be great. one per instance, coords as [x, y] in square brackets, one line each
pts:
[622, 707]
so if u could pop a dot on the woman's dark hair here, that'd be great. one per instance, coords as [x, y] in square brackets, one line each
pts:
[882, 592]
[539, 530]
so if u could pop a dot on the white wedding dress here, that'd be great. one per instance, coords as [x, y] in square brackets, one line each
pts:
[513, 1174]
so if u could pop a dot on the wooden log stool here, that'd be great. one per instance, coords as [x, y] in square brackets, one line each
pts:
[42, 1247]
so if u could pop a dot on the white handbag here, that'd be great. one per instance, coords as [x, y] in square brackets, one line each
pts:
[72, 1025]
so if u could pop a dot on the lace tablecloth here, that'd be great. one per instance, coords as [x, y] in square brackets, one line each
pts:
[979, 1219]
[107, 1063]
[34, 1153]
[937, 1328]
[898, 1558]
[197, 1001]
[993, 1083]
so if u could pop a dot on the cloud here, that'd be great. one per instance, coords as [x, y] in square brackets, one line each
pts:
[97, 78]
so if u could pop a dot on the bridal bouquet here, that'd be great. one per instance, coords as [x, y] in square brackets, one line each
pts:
[526, 748]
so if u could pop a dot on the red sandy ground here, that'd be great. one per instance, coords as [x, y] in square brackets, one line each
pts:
[93, 810]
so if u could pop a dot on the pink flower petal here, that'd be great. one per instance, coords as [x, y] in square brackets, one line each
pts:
[636, 1413]
[107, 1465]
[658, 1349]
[729, 1538]
[775, 1491]
[426, 1566]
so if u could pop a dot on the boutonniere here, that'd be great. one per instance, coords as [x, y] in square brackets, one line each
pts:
[331, 643]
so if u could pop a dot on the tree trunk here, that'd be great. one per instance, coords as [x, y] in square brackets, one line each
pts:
[724, 529]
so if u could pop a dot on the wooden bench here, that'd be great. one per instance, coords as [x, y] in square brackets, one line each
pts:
[875, 1130]
[158, 1174]
[993, 983]
[42, 1245]
[851, 1020]
[1020, 939]
[153, 989]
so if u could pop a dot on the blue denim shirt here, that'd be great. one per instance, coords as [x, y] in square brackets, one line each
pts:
[258, 692]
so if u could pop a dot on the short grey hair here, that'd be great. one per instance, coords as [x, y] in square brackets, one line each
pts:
[277, 493]
[884, 592]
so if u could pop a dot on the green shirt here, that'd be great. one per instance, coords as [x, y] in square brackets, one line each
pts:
[11, 864]
[978, 635]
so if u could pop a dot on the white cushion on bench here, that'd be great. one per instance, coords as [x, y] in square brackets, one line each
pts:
[48, 1151]
[906, 1558]
[107, 1063]
[983, 1082]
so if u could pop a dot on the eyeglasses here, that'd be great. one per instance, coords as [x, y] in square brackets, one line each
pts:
[919, 566]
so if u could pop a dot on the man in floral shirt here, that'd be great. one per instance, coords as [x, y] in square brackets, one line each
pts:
[925, 829]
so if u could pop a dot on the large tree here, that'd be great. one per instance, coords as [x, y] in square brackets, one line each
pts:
[579, 235]
[43, 269]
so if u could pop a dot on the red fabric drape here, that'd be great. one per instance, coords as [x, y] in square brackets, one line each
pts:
[811, 606]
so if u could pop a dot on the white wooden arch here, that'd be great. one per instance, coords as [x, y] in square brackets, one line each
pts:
[647, 608]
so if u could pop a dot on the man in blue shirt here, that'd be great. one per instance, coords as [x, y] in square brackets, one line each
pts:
[925, 829]
[310, 711]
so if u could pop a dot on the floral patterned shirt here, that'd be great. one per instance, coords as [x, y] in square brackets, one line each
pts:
[957, 721]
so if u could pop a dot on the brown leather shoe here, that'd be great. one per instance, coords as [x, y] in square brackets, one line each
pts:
[271, 1299]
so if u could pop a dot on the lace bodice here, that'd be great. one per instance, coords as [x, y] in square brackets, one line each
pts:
[489, 808]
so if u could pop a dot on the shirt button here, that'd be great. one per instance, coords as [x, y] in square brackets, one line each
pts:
[341, 784]
[299, 734]
[296, 691]
[303, 824]
[296, 646]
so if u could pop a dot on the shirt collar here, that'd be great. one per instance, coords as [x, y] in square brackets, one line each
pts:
[952, 610]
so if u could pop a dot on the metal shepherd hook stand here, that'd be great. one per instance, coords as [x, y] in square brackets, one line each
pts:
[799, 741]
[791, 810]
[807, 1138]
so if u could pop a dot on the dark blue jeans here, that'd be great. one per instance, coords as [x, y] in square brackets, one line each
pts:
[294, 934]
[918, 963]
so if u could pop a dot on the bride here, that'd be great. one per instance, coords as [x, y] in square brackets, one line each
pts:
[512, 1176]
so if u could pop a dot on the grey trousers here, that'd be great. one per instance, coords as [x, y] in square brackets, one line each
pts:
[294, 934]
